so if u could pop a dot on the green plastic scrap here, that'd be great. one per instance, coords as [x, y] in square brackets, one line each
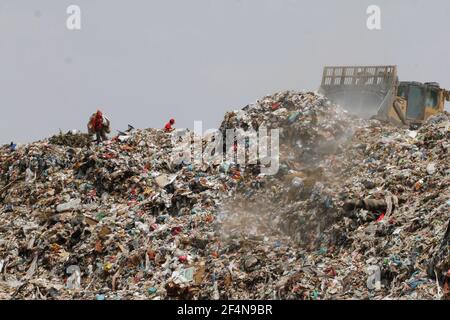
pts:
[100, 216]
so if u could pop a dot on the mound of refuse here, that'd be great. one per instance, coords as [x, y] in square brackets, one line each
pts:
[357, 209]
[370, 221]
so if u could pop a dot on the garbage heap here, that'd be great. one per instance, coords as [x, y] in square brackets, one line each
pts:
[357, 210]
[368, 212]
[313, 132]
[85, 222]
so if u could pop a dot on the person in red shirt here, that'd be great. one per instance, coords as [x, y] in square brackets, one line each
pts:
[168, 126]
[99, 125]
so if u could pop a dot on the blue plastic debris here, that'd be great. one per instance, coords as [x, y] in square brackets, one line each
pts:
[294, 116]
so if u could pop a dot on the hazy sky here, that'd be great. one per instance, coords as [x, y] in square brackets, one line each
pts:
[145, 61]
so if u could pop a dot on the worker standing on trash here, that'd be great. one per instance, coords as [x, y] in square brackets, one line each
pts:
[99, 125]
[12, 146]
[168, 126]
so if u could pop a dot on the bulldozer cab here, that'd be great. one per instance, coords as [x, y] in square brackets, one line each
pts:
[423, 100]
[375, 92]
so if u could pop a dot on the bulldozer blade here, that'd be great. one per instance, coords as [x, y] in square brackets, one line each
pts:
[365, 91]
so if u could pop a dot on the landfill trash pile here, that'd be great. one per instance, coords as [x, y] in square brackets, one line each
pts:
[120, 220]
[113, 218]
[376, 208]
[312, 131]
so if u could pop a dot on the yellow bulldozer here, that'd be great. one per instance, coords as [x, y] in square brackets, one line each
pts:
[375, 92]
